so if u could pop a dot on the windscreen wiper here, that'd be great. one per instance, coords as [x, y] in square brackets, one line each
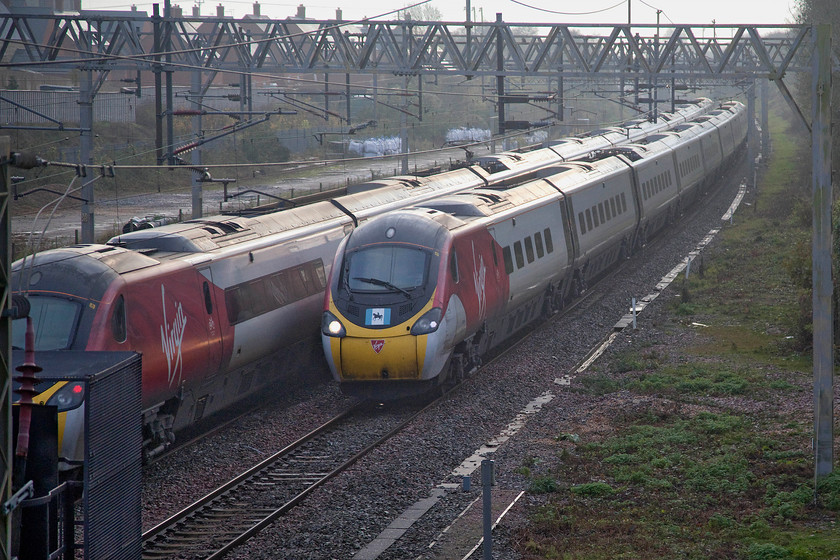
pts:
[385, 283]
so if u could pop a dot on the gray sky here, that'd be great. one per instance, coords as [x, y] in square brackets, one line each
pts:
[513, 11]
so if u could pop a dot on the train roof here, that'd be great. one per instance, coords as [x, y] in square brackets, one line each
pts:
[407, 227]
[89, 268]
[96, 257]
[417, 181]
[215, 232]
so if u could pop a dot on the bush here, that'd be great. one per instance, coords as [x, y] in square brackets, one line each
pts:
[593, 489]
[768, 551]
[543, 485]
[828, 490]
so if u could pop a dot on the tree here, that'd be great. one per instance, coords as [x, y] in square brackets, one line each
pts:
[817, 12]
[425, 12]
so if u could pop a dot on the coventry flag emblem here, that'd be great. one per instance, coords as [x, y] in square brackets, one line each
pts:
[377, 316]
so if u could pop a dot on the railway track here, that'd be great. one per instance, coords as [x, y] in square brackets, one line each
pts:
[235, 512]
[238, 510]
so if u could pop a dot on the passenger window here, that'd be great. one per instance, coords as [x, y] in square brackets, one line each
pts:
[118, 329]
[588, 219]
[581, 222]
[604, 215]
[453, 266]
[320, 274]
[595, 216]
[233, 304]
[538, 242]
[304, 280]
[276, 288]
[493, 252]
[529, 250]
[508, 260]
[549, 246]
[258, 302]
[208, 300]
[517, 252]
[297, 288]
[612, 207]
[623, 203]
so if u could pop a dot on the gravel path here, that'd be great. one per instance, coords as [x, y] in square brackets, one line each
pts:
[350, 511]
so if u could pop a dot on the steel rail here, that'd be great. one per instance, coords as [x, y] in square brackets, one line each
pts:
[158, 544]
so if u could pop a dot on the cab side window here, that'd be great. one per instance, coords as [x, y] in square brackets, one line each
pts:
[118, 329]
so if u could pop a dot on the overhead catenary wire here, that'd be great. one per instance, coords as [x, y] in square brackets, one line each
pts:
[115, 165]
[622, 3]
[55, 203]
[291, 163]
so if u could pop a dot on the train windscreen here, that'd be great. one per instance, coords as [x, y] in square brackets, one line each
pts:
[386, 269]
[54, 321]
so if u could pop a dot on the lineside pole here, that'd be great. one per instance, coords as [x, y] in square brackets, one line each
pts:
[404, 129]
[821, 255]
[765, 118]
[86, 151]
[170, 104]
[5, 351]
[197, 96]
[500, 78]
[156, 22]
[751, 133]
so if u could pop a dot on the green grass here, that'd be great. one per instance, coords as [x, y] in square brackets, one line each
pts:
[707, 464]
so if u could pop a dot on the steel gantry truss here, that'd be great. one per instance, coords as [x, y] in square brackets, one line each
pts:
[406, 47]
[96, 43]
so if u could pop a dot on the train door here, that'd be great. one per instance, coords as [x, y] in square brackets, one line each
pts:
[212, 324]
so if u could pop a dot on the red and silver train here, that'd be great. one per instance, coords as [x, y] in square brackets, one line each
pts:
[417, 296]
[212, 303]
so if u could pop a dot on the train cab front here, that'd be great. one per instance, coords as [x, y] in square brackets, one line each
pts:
[382, 327]
[63, 290]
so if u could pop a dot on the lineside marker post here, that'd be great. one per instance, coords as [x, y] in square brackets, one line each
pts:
[821, 255]
[487, 501]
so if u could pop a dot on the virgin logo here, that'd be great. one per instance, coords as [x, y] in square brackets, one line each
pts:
[479, 281]
[172, 337]
[377, 345]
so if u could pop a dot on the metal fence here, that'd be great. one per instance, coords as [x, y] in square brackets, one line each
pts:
[62, 106]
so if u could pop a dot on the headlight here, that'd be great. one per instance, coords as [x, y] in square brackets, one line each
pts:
[331, 326]
[428, 323]
[71, 396]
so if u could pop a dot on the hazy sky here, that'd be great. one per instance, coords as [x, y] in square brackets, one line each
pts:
[573, 11]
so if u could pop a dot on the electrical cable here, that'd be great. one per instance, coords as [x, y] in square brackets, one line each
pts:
[623, 2]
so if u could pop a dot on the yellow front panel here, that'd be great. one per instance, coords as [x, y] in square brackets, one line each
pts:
[42, 399]
[361, 362]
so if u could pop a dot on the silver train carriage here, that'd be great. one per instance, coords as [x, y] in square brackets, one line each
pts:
[417, 296]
